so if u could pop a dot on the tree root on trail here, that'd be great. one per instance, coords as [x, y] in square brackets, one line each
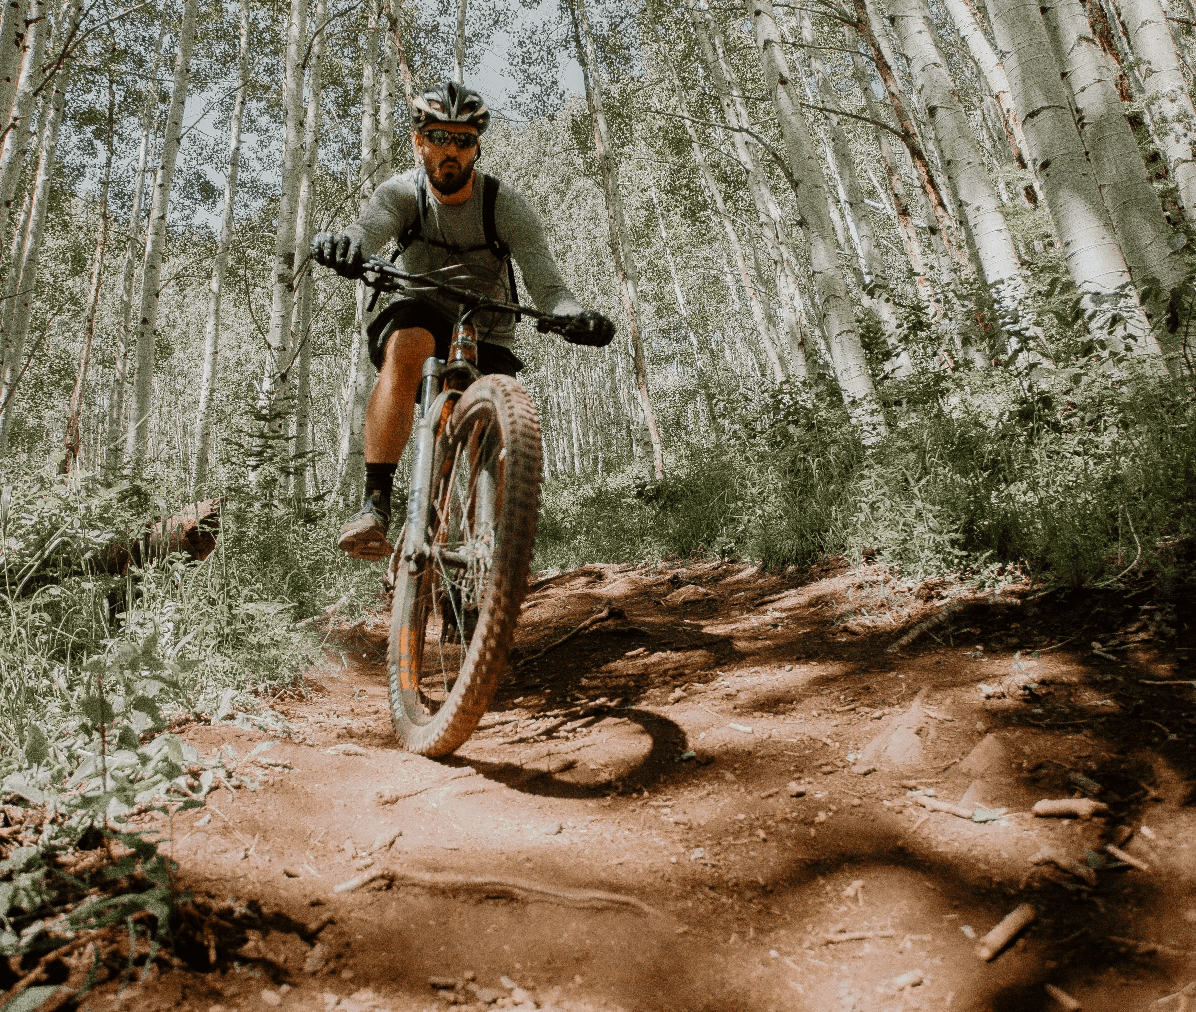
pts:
[610, 611]
[504, 888]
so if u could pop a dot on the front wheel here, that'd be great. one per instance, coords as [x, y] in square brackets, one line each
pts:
[455, 610]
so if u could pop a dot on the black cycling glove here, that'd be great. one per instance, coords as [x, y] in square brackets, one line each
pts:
[340, 251]
[590, 329]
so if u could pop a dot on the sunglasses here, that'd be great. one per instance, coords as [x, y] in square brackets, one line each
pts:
[444, 138]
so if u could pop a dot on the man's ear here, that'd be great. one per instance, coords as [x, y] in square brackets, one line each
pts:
[415, 148]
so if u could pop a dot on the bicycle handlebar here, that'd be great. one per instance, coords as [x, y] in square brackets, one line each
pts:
[389, 278]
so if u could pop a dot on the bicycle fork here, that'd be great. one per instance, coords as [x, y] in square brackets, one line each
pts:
[415, 549]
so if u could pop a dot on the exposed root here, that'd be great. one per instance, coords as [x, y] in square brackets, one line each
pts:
[599, 616]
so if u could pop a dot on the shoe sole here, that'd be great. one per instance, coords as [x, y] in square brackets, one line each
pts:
[370, 545]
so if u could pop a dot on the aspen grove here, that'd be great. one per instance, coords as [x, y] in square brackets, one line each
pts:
[907, 277]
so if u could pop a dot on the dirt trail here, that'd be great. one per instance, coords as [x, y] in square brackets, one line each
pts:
[623, 831]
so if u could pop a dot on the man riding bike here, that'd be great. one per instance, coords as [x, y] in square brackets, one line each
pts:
[459, 225]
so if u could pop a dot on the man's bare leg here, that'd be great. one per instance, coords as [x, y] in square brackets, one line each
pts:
[388, 422]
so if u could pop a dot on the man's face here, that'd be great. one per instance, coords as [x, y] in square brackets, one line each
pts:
[449, 165]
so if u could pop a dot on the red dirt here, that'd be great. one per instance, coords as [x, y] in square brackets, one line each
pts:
[727, 887]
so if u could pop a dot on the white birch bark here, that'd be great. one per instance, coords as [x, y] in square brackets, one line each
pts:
[837, 316]
[273, 402]
[777, 242]
[1167, 99]
[1150, 245]
[19, 126]
[72, 431]
[1093, 257]
[351, 445]
[125, 334]
[303, 264]
[387, 94]
[137, 446]
[459, 48]
[12, 46]
[211, 337]
[625, 265]
[30, 255]
[979, 200]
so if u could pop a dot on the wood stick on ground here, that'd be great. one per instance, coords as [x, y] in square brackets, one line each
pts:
[1062, 997]
[487, 887]
[388, 796]
[1064, 863]
[1143, 681]
[1000, 936]
[1121, 855]
[593, 620]
[924, 627]
[858, 936]
[1080, 808]
[935, 805]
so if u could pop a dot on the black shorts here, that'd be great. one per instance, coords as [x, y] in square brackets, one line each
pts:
[407, 312]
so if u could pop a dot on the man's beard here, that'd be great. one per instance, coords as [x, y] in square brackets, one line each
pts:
[448, 180]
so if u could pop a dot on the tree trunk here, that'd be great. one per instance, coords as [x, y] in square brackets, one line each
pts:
[1166, 99]
[13, 28]
[838, 319]
[763, 328]
[124, 334]
[273, 403]
[73, 438]
[303, 233]
[13, 368]
[19, 125]
[137, 447]
[1094, 259]
[211, 334]
[993, 71]
[979, 201]
[625, 266]
[1151, 246]
[777, 242]
[459, 53]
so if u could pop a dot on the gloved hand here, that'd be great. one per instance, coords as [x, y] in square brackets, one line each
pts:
[590, 329]
[340, 251]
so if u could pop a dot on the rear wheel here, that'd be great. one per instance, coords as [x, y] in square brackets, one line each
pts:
[452, 619]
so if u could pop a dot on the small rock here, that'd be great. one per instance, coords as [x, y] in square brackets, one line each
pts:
[362, 863]
[697, 854]
[820, 817]
[316, 960]
[290, 873]
[863, 770]
[553, 830]
[795, 790]
[856, 802]
[489, 995]
[271, 997]
[346, 750]
[911, 978]
[688, 594]
[443, 983]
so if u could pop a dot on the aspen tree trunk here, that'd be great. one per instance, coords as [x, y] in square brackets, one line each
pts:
[73, 437]
[1151, 246]
[1094, 259]
[124, 335]
[275, 389]
[993, 71]
[19, 129]
[773, 231]
[303, 234]
[459, 54]
[211, 335]
[351, 449]
[12, 46]
[763, 327]
[979, 201]
[386, 95]
[137, 447]
[838, 319]
[1167, 97]
[625, 266]
[10, 377]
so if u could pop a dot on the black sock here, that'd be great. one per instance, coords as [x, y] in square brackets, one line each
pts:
[380, 478]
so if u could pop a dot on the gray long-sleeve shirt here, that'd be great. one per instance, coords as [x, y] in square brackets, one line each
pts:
[393, 208]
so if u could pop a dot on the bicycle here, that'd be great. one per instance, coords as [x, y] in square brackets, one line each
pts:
[460, 569]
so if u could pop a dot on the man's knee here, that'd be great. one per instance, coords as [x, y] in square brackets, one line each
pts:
[406, 351]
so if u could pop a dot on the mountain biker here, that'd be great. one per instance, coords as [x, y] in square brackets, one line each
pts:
[468, 229]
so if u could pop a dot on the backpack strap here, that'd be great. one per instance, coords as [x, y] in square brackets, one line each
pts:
[415, 230]
[496, 246]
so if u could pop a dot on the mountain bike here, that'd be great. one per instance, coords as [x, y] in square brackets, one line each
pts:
[460, 569]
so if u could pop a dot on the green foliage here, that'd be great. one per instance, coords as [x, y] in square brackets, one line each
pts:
[1073, 482]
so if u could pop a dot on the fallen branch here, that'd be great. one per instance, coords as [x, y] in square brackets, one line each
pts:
[858, 936]
[390, 796]
[1000, 936]
[508, 888]
[1143, 681]
[935, 805]
[1121, 855]
[1080, 808]
[924, 626]
[600, 616]
[1062, 997]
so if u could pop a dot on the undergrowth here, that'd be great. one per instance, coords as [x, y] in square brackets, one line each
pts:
[1075, 481]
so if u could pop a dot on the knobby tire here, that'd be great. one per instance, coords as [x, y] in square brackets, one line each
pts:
[437, 723]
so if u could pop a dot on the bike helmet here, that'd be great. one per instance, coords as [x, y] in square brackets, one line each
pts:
[450, 102]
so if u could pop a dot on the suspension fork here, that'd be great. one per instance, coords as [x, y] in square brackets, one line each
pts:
[415, 548]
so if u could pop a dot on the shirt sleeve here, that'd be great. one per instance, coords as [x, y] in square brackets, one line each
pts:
[391, 210]
[519, 226]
